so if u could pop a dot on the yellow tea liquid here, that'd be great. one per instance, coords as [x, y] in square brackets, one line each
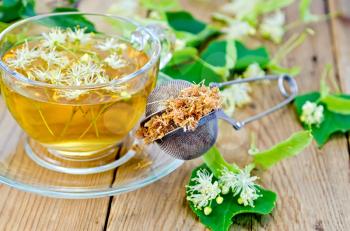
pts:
[67, 121]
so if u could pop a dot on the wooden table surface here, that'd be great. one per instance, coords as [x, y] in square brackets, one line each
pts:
[313, 187]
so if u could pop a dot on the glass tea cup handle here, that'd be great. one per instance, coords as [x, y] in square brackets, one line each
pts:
[164, 34]
[289, 95]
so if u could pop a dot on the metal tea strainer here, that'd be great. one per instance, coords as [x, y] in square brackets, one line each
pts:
[188, 145]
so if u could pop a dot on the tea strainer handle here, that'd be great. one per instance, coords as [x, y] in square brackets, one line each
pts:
[289, 95]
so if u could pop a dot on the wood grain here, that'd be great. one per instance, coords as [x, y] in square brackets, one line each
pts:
[312, 187]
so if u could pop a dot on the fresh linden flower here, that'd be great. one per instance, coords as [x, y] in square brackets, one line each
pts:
[312, 114]
[111, 44]
[241, 9]
[85, 73]
[53, 57]
[253, 70]
[79, 35]
[272, 27]
[23, 57]
[54, 37]
[53, 76]
[237, 29]
[241, 184]
[236, 95]
[115, 61]
[203, 191]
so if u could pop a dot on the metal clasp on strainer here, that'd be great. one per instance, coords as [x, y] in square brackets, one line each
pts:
[282, 79]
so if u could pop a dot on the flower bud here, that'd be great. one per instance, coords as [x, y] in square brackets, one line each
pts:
[219, 199]
[207, 210]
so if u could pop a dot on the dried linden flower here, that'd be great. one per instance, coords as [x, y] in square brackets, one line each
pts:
[183, 111]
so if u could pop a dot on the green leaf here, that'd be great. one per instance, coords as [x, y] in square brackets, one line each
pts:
[184, 21]
[245, 57]
[69, 21]
[184, 55]
[290, 147]
[220, 219]
[269, 6]
[305, 12]
[220, 53]
[160, 5]
[337, 103]
[195, 71]
[215, 162]
[192, 31]
[332, 123]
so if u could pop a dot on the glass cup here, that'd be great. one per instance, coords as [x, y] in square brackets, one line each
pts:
[86, 134]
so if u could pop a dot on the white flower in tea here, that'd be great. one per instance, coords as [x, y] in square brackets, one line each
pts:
[54, 76]
[85, 73]
[111, 44]
[203, 190]
[241, 184]
[253, 70]
[115, 61]
[53, 57]
[54, 37]
[312, 114]
[272, 27]
[78, 35]
[23, 57]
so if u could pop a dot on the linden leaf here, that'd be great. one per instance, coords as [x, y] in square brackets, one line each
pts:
[215, 162]
[184, 21]
[220, 219]
[305, 12]
[184, 55]
[192, 31]
[245, 57]
[194, 71]
[220, 53]
[337, 103]
[290, 147]
[12, 10]
[332, 123]
[160, 5]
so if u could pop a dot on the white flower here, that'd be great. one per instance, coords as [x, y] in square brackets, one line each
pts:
[272, 27]
[53, 76]
[71, 94]
[115, 61]
[23, 57]
[312, 114]
[53, 57]
[203, 191]
[253, 70]
[240, 183]
[87, 73]
[111, 44]
[241, 9]
[54, 37]
[237, 29]
[79, 35]
[235, 95]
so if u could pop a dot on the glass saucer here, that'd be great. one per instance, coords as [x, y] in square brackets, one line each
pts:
[18, 170]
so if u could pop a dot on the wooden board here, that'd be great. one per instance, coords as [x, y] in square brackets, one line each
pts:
[312, 187]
